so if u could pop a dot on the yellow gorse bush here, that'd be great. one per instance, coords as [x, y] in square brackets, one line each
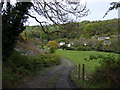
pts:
[52, 44]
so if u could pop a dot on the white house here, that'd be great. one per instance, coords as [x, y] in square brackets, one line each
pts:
[103, 38]
[69, 45]
[61, 43]
[85, 44]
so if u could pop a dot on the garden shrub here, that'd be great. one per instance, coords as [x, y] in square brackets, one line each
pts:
[84, 48]
[70, 48]
[52, 50]
[47, 59]
[52, 46]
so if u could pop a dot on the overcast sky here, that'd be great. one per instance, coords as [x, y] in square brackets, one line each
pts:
[97, 10]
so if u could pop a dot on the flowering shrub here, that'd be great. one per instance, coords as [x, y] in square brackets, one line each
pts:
[52, 46]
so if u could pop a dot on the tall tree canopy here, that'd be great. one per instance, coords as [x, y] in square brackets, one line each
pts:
[13, 18]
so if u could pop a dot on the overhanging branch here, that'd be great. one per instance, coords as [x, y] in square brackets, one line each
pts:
[49, 33]
[38, 22]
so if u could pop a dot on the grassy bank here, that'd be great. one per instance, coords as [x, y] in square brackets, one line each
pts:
[19, 66]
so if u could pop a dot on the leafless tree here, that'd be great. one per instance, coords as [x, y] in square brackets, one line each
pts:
[59, 11]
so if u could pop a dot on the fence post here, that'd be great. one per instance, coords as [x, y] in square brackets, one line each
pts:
[76, 68]
[79, 71]
[34, 65]
[83, 71]
[108, 72]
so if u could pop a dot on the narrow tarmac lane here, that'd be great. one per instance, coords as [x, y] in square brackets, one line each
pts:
[56, 77]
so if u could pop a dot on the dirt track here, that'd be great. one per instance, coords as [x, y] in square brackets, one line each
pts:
[56, 77]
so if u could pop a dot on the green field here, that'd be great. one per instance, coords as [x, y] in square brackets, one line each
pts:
[77, 57]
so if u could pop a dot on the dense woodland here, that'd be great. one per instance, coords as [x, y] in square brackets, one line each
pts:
[86, 29]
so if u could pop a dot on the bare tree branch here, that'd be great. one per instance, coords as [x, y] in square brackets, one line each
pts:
[59, 12]
[43, 28]
[38, 22]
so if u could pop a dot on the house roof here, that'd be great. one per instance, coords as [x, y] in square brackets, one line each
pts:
[102, 38]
